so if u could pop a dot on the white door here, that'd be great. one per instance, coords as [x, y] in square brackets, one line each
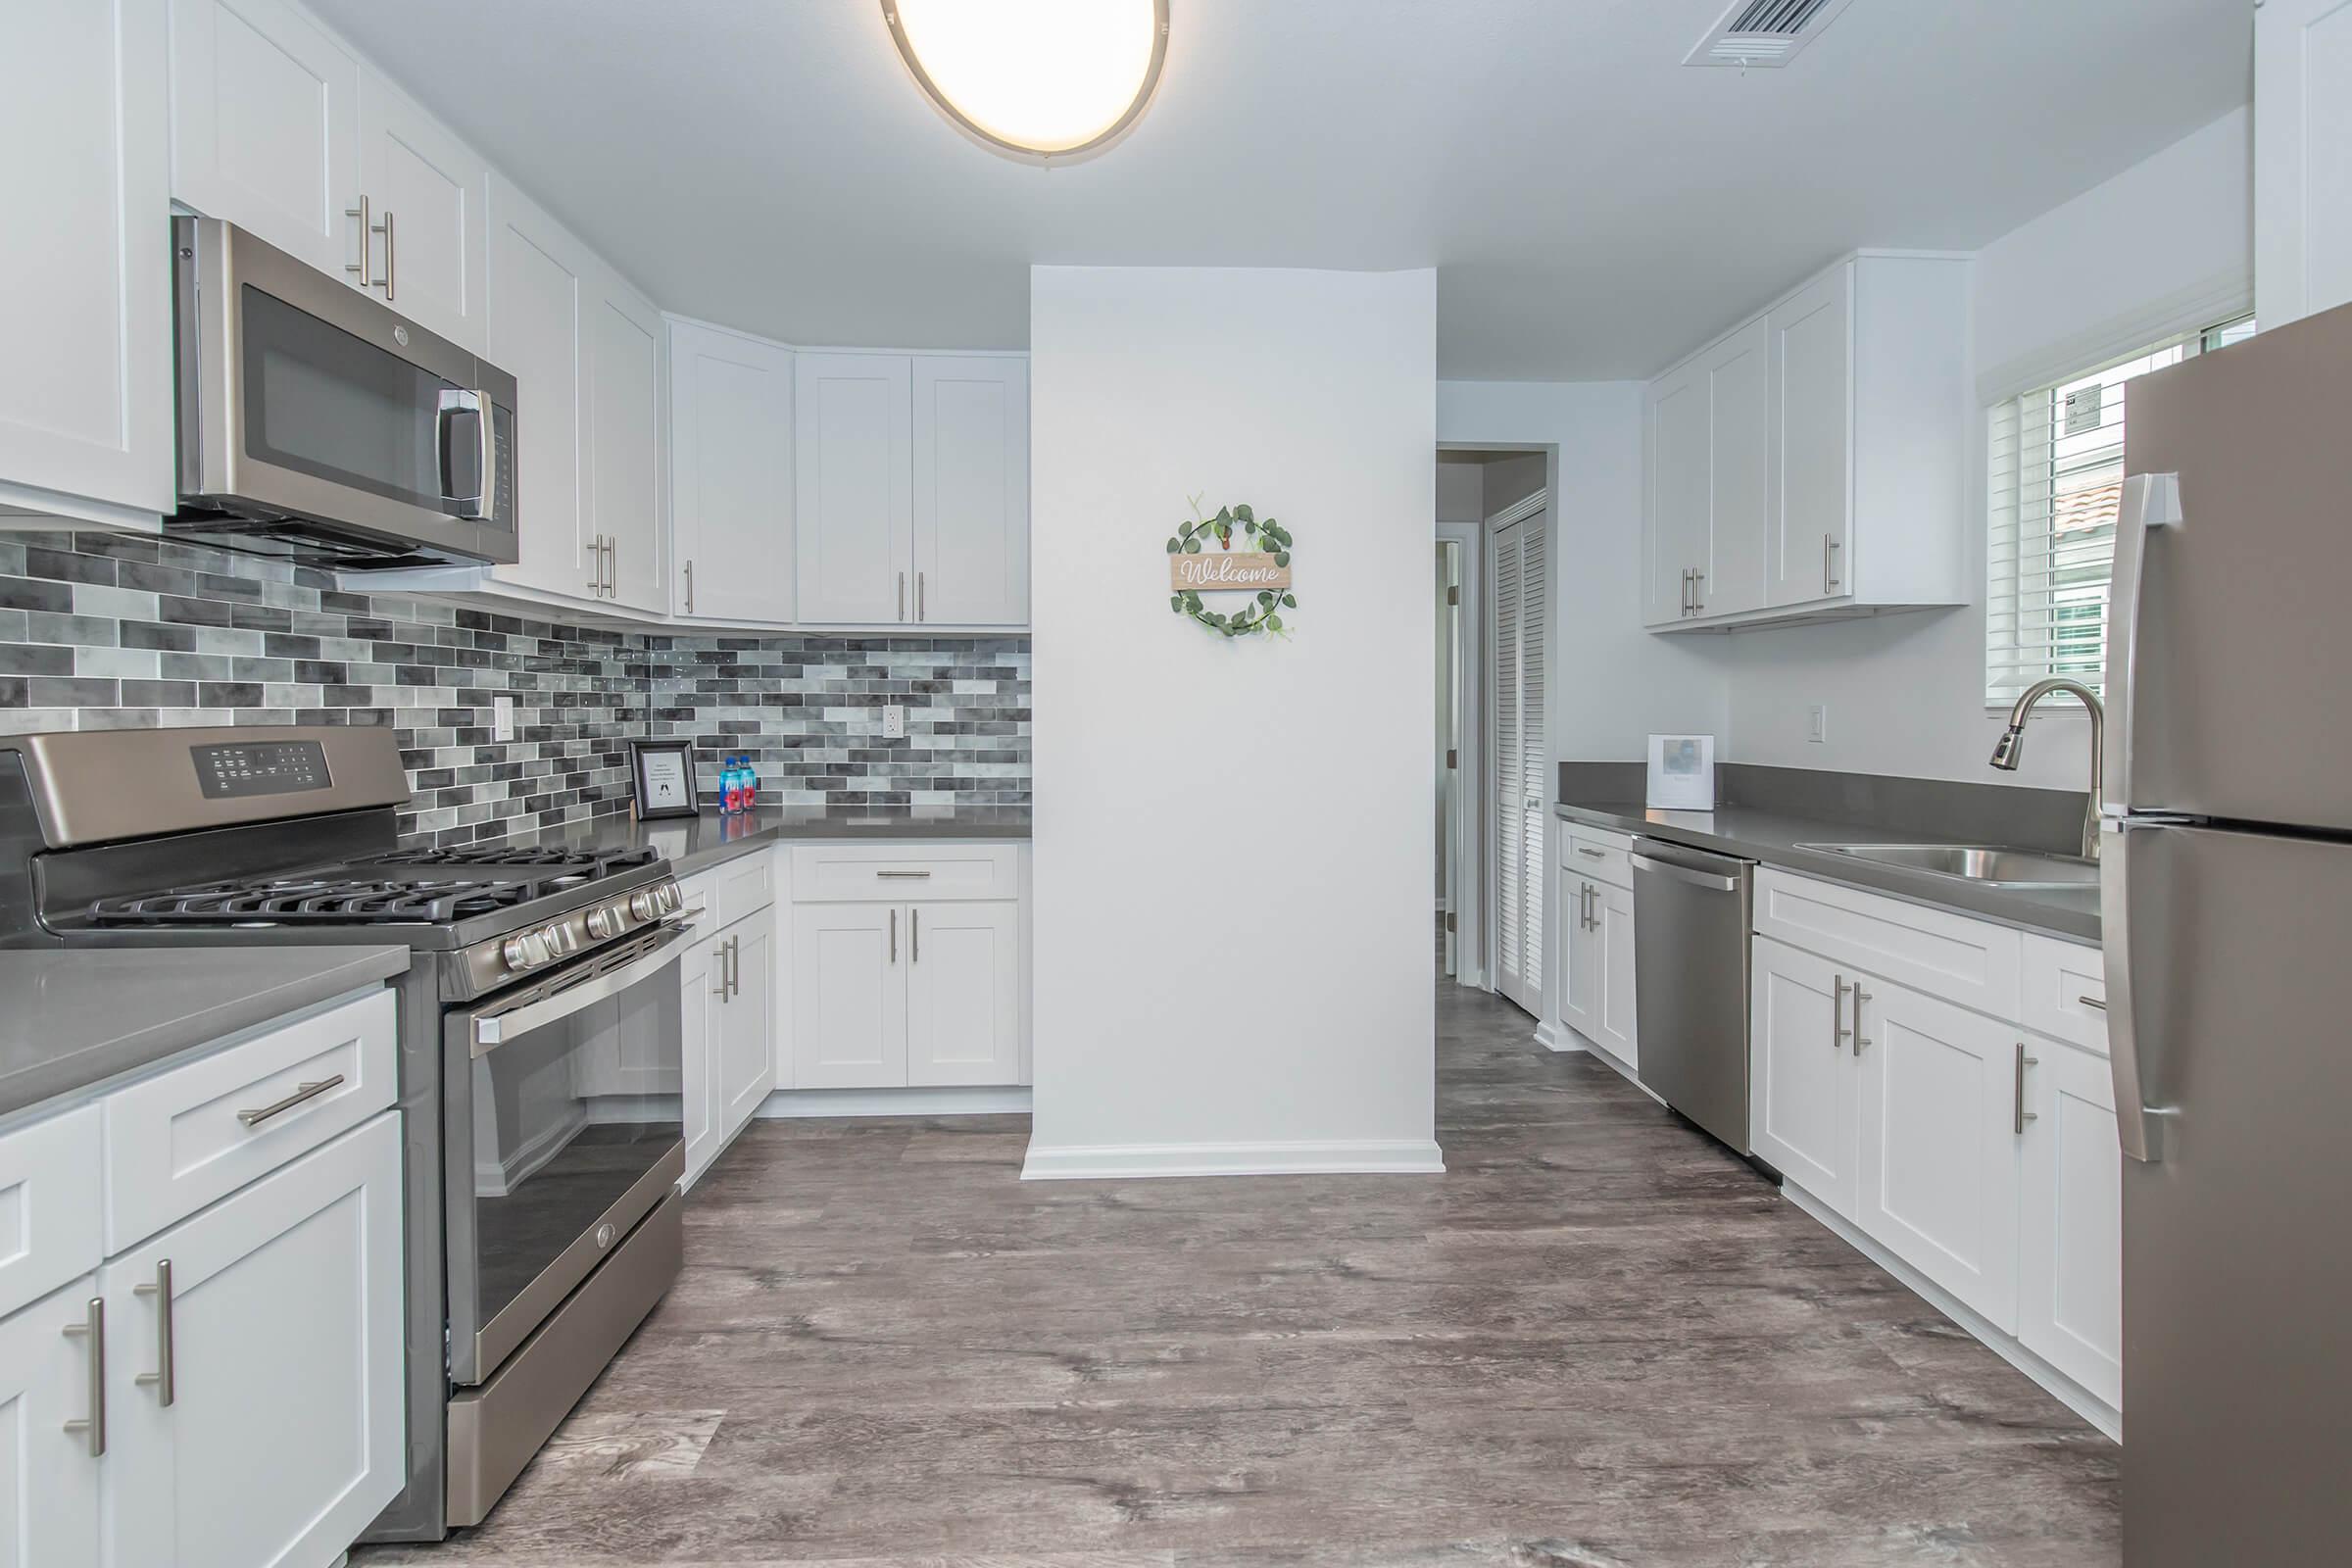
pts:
[266, 128]
[538, 292]
[2071, 1253]
[702, 1004]
[848, 996]
[747, 1060]
[1579, 977]
[1730, 547]
[854, 515]
[963, 1005]
[2302, 158]
[284, 1434]
[730, 476]
[623, 353]
[85, 293]
[432, 194]
[1938, 1173]
[1800, 1073]
[1522, 759]
[971, 491]
[1614, 964]
[1809, 555]
[1677, 493]
[48, 1476]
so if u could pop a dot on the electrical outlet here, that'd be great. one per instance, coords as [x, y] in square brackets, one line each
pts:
[501, 718]
[893, 722]
[1817, 723]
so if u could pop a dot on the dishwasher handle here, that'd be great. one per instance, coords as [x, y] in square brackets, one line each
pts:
[1684, 873]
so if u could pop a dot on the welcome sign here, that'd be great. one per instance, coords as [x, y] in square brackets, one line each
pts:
[1227, 571]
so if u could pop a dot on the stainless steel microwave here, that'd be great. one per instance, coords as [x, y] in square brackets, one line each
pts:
[319, 424]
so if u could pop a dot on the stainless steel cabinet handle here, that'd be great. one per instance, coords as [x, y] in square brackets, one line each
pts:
[1828, 564]
[2022, 1115]
[914, 936]
[1861, 1040]
[1590, 855]
[161, 1379]
[1593, 906]
[366, 244]
[920, 613]
[1699, 605]
[894, 936]
[1686, 590]
[94, 1328]
[385, 229]
[2092, 1002]
[690, 587]
[612, 566]
[596, 569]
[734, 967]
[302, 1092]
[902, 596]
[1838, 1028]
[916, 875]
[718, 958]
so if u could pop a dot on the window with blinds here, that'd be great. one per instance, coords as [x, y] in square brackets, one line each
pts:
[2057, 480]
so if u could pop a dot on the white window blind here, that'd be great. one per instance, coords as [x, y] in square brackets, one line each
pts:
[2057, 480]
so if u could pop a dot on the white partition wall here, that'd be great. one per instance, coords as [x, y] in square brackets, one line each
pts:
[1234, 961]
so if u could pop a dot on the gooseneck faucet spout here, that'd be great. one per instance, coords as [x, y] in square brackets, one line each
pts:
[2010, 749]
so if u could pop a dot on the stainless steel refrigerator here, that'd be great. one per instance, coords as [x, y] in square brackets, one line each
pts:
[2227, 871]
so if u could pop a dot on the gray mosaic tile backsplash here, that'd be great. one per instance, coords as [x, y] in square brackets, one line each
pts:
[115, 630]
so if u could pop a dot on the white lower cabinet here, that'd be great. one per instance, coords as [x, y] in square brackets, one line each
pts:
[2071, 1251]
[888, 996]
[1596, 955]
[1580, 975]
[727, 1034]
[848, 996]
[964, 979]
[49, 1507]
[1800, 1095]
[698, 1046]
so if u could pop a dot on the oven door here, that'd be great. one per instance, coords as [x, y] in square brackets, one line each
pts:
[562, 1119]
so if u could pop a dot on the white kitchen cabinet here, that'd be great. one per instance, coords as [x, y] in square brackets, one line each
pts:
[431, 195]
[86, 288]
[1613, 934]
[730, 474]
[747, 1058]
[1707, 439]
[540, 295]
[964, 979]
[281, 1335]
[2070, 1242]
[49, 1479]
[1801, 1081]
[622, 350]
[1579, 973]
[853, 512]
[2302, 158]
[972, 490]
[1937, 1089]
[702, 975]
[848, 996]
[1677, 491]
[1806, 532]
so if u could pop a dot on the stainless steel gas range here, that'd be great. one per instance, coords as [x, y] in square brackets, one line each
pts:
[540, 1066]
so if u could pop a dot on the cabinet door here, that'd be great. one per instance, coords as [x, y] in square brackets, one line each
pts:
[1580, 974]
[1730, 555]
[971, 491]
[747, 1061]
[1940, 1158]
[284, 1435]
[1677, 490]
[1612, 941]
[538, 296]
[1810, 541]
[2071, 1253]
[86, 291]
[848, 996]
[730, 476]
[964, 1003]
[853, 522]
[48, 1477]
[1801, 1094]
[432, 194]
[2302, 158]
[623, 351]
[701, 1002]
[265, 127]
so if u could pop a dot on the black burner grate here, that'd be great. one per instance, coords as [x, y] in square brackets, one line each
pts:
[493, 858]
[326, 900]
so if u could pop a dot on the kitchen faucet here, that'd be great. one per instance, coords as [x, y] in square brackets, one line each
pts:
[2010, 749]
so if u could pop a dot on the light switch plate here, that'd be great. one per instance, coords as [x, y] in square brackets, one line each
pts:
[894, 722]
[1817, 723]
[501, 718]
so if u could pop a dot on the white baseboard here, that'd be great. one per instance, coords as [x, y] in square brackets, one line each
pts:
[2065, 1390]
[795, 1103]
[1102, 1162]
[1552, 1036]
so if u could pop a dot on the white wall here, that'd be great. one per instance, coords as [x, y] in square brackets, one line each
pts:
[1232, 922]
[2165, 245]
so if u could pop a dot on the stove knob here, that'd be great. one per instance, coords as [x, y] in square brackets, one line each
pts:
[644, 905]
[525, 950]
[554, 938]
[667, 895]
[603, 923]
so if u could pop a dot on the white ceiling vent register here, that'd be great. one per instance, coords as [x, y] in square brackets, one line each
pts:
[1764, 33]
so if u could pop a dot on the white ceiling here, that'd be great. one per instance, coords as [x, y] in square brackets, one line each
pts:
[1594, 207]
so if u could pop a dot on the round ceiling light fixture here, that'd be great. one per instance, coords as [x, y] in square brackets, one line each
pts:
[1038, 79]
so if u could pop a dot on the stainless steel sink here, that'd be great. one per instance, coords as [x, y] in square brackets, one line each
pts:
[1993, 865]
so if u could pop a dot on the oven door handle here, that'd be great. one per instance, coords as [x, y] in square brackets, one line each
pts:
[495, 1029]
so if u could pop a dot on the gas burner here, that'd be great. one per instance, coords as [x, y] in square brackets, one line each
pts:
[338, 901]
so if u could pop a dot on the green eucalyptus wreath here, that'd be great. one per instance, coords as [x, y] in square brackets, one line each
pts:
[1266, 614]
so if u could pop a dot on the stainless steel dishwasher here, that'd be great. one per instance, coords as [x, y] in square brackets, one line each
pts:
[1690, 980]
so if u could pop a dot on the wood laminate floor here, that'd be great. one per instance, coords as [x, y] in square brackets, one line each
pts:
[1597, 1339]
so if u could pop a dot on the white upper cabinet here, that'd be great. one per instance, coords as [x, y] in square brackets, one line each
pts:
[1810, 464]
[730, 476]
[86, 289]
[431, 196]
[539, 299]
[854, 416]
[623, 352]
[971, 491]
[2302, 158]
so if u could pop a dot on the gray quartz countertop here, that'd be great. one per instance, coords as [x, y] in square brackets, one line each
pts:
[695, 843]
[71, 1019]
[1771, 838]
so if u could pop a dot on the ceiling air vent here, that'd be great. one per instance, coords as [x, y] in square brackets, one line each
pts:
[1764, 33]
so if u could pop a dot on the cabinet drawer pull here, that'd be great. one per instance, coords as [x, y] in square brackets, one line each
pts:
[94, 1328]
[161, 1379]
[734, 967]
[1861, 1040]
[2022, 1115]
[894, 936]
[914, 936]
[907, 875]
[302, 1092]
[1592, 854]
[367, 243]
[690, 587]
[1838, 1029]
[1828, 564]
[920, 613]
[385, 229]
[2092, 1002]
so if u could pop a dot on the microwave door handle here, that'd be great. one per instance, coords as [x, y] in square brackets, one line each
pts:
[2150, 501]
[495, 1029]
[476, 506]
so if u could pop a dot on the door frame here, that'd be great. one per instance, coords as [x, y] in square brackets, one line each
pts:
[1467, 889]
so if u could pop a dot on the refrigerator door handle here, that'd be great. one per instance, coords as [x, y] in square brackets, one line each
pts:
[2136, 1124]
[2150, 501]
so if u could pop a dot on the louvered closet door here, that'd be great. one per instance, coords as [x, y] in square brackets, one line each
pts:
[1522, 751]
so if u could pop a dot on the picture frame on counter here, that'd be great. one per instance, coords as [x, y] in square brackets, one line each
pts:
[1682, 774]
[661, 779]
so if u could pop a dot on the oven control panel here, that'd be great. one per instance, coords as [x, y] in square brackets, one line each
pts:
[260, 767]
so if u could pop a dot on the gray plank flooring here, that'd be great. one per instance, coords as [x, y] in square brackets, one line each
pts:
[1597, 1342]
